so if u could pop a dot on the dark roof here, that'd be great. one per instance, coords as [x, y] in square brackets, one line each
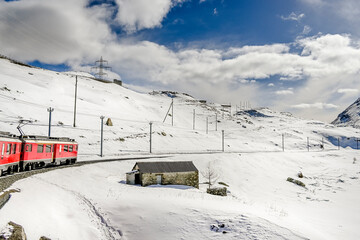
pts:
[160, 167]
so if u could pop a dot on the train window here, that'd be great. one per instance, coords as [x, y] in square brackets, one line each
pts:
[3, 150]
[71, 148]
[48, 148]
[28, 148]
[40, 148]
[65, 148]
[60, 148]
[8, 150]
[14, 148]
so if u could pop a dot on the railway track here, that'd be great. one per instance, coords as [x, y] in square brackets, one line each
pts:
[7, 180]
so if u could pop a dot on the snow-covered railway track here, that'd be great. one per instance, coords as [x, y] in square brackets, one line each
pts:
[7, 180]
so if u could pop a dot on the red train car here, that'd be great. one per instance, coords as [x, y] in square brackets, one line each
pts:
[30, 152]
[66, 151]
[10, 150]
[39, 151]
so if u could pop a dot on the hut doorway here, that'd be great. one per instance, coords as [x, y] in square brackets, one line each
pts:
[137, 178]
[158, 179]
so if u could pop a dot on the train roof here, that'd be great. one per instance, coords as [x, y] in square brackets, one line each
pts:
[9, 139]
[47, 139]
[7, 136]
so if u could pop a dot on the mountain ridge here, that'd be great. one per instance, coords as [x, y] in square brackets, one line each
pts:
[350, 117]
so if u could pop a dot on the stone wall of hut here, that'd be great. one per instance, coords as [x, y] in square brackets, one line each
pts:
[180, 178]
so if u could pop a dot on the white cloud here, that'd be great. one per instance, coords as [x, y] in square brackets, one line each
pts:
[135, 15]
[271, 85]
[315, 105]
[215, 11]
[284, 92]
[293, 17]
[348, 90]
[314, 2]
[347, 10]
[52, 31]
[306, 30]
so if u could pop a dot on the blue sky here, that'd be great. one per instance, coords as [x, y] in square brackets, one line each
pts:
[301, 56]
[234, 23]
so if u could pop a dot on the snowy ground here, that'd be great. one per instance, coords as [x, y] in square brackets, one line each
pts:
[93, 202]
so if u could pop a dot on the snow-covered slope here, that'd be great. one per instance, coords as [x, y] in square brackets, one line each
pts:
[92, 202]
[350, 117]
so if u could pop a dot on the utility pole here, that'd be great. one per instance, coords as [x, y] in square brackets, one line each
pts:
[150, 136]
[76, 82]
[102, 129]
[194, 119]
[283, 141]
[222, 137]
[172, 112]
[308, 146]
[357, 143]
[207, 125]
[50, 110]
[215, 121]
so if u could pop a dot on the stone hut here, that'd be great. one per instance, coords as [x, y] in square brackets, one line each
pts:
[164, 173]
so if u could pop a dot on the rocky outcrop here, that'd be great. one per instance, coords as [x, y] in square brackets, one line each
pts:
[15, 231]
[217, 191]
[350, 117]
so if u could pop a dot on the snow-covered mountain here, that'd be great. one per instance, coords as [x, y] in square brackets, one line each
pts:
[349, 117]
[93, 201]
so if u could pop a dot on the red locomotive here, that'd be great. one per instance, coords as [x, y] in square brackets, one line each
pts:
[30, 152]
[10, 148]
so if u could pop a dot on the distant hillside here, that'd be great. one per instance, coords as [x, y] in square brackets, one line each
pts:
[191, 126]
[350, 117]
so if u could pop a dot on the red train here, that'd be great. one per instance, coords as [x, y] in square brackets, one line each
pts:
[30, 152]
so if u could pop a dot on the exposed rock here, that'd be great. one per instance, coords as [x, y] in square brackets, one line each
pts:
[350, 116]
[109, 122]
[217, 191]
[17, 232]
[44, 238]
[297, 182]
